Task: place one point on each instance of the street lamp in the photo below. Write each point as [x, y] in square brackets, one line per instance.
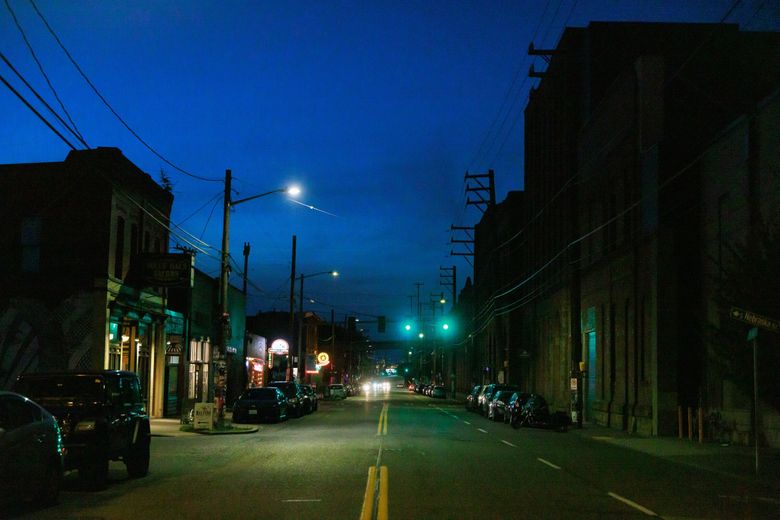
[224, 316]
[301, 363]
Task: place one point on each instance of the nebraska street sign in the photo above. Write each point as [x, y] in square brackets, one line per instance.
[755, 319]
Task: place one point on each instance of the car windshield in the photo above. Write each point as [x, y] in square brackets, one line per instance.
[75, 388]
[260, 394]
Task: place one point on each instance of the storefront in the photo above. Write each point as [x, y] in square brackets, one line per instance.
[255, 361]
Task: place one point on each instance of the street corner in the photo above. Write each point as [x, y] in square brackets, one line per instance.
[227, 429]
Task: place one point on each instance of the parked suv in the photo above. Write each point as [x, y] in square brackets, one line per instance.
[101, 415]
[296, 398]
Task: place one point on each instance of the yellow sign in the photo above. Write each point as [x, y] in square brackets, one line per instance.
[323, 359]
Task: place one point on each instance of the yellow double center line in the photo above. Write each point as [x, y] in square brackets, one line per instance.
[375, 497]
[370, 498]
[381, 428]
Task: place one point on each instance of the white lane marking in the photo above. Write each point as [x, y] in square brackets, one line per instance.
[508, 443]
[483, 431]
[632, 504]
[455, 417]
[548, 463]
[303, 500]
[467, 423]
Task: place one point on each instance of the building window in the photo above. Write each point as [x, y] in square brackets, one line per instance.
[119, 252]
[31, 244]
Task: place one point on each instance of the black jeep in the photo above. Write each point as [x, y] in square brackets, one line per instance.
[101, 415]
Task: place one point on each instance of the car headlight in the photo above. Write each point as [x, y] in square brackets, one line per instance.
[85, 426]
[293, 400]
[366, 388]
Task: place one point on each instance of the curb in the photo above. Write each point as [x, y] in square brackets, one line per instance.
[234, 430]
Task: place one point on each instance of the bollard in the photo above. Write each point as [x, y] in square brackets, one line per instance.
[679, 422]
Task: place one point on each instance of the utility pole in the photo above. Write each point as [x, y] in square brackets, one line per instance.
[447, 278]
[223, 320]
[301, 363]
[246, 265]
[291, 328]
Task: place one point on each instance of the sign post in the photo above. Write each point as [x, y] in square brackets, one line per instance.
[771, 324]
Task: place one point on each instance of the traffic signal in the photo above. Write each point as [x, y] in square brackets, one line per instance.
[381, 323]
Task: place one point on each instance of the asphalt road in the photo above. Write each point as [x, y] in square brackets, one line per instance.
[405, 456]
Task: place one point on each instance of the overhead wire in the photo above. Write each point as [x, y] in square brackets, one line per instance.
[111, 108]
[72, 128]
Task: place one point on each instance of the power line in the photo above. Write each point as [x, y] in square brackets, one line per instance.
[40, 98]
[40, 116]
[74, 128]
[111, 109]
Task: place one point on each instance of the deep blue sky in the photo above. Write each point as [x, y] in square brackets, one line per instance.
[376, 109]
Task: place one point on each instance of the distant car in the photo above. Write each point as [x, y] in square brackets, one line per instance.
[489, 392]
[102, 417]
[312, 403]
[513, 408]
[471, 399]
[31, 454]
[438, 392]
[535, 413]
[419, 388]
[497, 405]
[399, 385]
[257, 404]
[337, 392]
[411, 387]
[294, 394]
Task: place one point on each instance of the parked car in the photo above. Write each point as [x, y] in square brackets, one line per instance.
[438, 392]
[267, 403]
[101, 416]
[488, 393]
[294, 394]
[471, 399]
[536, 413]
[337, 392]
[31, 454]
[311, 401]
[513, 407]
[419, 388]
[497, 405]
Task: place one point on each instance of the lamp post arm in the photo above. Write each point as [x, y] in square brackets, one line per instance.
[253, 197]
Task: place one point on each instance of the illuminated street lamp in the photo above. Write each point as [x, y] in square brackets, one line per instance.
[224, 317]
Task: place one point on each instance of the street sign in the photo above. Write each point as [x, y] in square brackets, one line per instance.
[754, 319]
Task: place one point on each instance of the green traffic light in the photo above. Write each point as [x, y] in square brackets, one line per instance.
[408, 327]
[445, 326]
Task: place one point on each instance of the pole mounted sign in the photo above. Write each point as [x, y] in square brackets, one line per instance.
[754, 319]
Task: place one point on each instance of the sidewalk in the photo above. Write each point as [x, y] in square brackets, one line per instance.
[161, 427]
[732, 460]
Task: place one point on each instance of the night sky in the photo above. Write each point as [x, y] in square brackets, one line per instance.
[376, 109]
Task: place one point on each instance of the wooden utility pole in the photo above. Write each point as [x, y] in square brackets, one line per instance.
[246, 265]
[223, 319]
[291, 328]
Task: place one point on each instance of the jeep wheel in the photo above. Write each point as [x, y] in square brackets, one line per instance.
[94, 471]
[137, 459]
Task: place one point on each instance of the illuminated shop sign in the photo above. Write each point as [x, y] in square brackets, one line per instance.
[280, 346]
